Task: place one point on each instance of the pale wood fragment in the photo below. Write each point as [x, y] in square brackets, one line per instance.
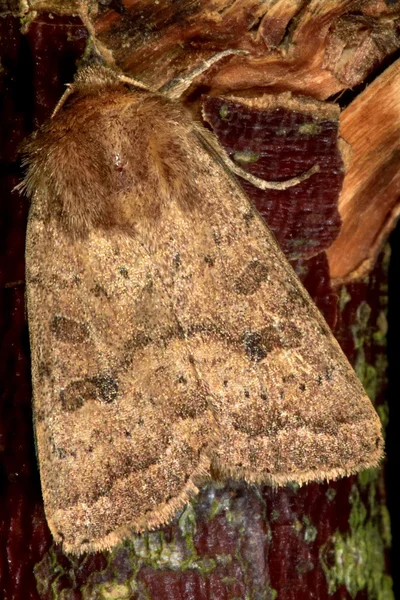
[368, 203]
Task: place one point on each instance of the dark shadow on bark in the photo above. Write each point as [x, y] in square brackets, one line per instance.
[392, 440]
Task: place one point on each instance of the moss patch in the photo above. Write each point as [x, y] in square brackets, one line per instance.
[357, 559]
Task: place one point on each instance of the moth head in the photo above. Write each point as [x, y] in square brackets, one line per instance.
[95, 78]
[108, 158]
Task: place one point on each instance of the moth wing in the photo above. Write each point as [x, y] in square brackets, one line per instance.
[287, 400]
[122, 423]
[176, 323]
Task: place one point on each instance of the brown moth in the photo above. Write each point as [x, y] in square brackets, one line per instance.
[170, 337]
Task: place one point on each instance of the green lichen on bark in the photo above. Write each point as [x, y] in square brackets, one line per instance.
[372, 376]
[356, 559]
[152, 550]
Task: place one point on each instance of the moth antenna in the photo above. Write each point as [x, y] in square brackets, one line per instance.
[176, 87]
[262, 184]
[219, 153]
[136, 83]
[70, 89]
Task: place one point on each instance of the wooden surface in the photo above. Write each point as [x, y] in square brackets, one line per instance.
[369, 201]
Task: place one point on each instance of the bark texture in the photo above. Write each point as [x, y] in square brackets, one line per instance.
[233, 541]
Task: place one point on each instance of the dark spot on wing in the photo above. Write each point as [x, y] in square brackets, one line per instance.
[124, 272]
[99, 291]
[209, 260]
[176, 260]
[103, 388]
[258, 344]
[289, 378]
[67, 330]
[39, 415]
[254, 345]
[107, 387]
[138, 341]
[251, 278]
[44, 371]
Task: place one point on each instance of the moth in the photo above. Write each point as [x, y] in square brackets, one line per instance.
[170, 338]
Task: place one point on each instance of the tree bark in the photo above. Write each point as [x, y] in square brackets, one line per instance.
[234, 540]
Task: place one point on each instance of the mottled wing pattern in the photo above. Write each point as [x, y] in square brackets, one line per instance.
[122, 422]
[169, 335]
[289, 404]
